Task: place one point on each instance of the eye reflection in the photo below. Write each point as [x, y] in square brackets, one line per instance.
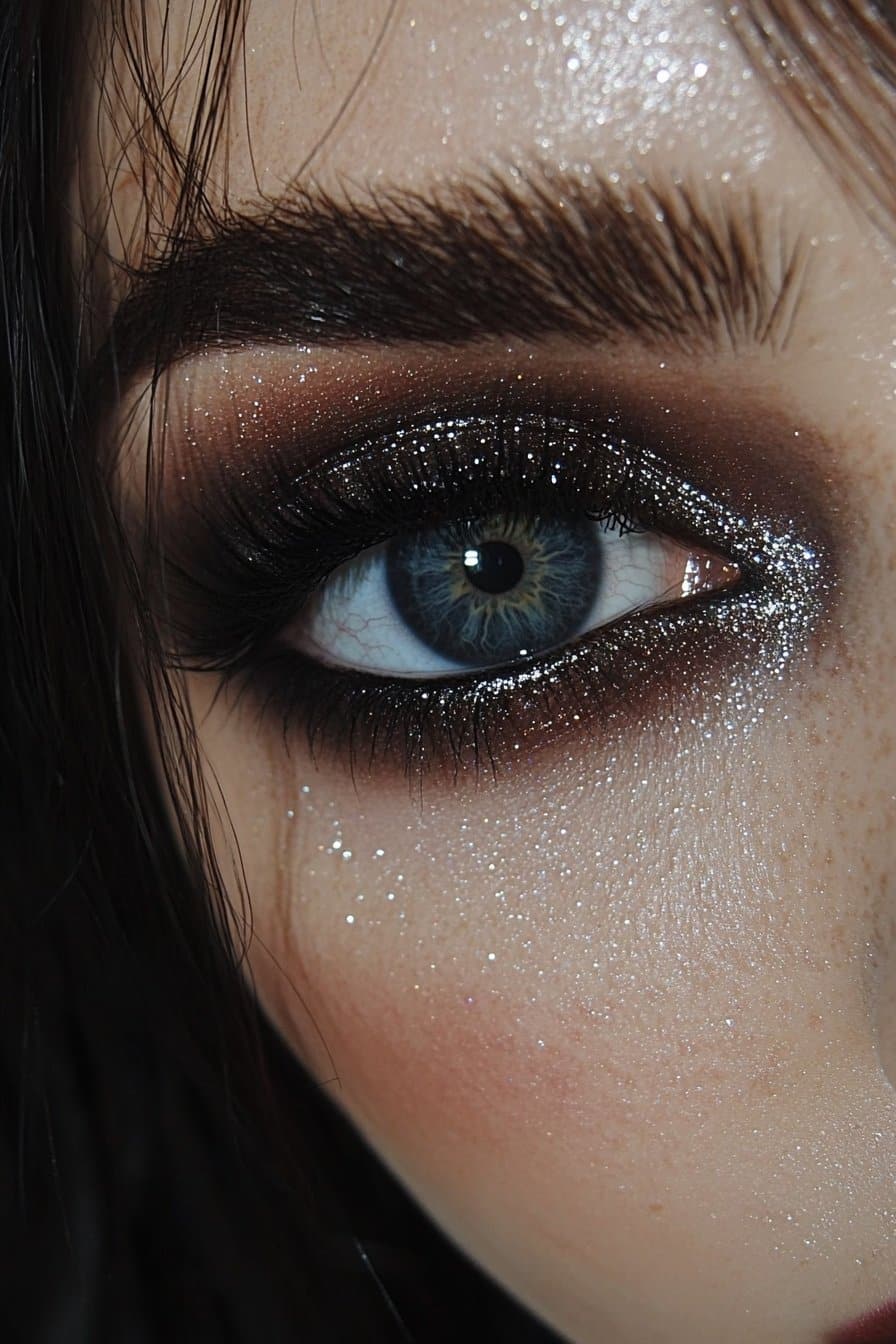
[477, 594]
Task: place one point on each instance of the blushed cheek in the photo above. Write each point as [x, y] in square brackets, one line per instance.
[613, 1012]
[521, 962]
[544, 1136]
[642, 910]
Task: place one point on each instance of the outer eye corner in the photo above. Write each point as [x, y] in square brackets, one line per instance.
[710, 572]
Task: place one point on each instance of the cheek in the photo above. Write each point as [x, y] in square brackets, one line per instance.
[648, 903]
[589, 1016]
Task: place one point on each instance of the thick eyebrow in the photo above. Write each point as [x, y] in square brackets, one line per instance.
[521, 257]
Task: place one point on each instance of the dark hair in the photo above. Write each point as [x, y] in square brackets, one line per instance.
[167, 1171]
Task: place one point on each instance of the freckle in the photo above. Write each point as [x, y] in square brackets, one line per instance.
[655, 1208]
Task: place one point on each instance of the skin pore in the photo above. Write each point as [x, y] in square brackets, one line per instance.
[619, 1010]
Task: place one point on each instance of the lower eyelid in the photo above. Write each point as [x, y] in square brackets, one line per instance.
[638, 672]
[641, 672]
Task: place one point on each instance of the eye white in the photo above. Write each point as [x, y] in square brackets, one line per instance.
[352, 621]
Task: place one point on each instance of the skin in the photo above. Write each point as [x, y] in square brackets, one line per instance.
[625, 1025]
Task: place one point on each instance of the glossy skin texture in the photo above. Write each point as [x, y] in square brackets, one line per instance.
[622, 1016]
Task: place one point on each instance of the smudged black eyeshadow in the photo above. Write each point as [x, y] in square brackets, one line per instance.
[253, 545]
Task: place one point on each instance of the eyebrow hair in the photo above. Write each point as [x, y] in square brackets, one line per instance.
[521, 257]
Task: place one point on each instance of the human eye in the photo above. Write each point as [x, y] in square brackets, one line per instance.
[450, 590]
[475, 594]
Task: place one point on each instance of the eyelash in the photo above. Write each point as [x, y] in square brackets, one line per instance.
[258, 543]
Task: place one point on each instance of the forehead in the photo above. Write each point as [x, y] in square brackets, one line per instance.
[353, 94]
[473, 80]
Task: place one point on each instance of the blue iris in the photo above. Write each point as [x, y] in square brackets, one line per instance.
[492, 591]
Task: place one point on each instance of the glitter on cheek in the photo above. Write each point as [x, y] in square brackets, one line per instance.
[535, 892]
[581, 959]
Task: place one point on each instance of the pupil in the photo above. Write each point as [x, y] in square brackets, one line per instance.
[493, 566]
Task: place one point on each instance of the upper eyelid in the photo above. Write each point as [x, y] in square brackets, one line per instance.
[714, 424]
[234, 519]
[735, 443]
[723, 420]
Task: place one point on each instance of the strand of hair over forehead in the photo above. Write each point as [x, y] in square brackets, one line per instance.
[832, 63]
